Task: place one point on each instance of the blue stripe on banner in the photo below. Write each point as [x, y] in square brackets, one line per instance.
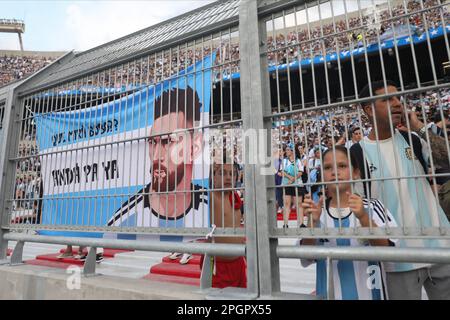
[70, 234]
[92, 211]
[376, 293]
[171, 238]
[179, 223]
[345, 268]
[126, 236]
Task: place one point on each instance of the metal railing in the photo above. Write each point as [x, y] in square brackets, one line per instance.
[169, 144]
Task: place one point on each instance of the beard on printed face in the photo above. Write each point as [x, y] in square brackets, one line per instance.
[163, 180]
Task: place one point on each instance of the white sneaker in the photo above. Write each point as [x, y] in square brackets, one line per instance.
[185, 258]
[174, 255]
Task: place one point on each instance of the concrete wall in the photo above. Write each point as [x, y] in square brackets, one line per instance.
[26, 282]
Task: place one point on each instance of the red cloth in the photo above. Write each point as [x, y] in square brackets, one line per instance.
[229, 273]
[237, 200]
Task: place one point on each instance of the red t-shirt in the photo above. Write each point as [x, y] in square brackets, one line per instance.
[237, 200]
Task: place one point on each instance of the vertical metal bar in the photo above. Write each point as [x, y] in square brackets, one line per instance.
[69, 201]
[311, 57]
[169, 98]
[116, 144]
[202, 131]
[330, 280]
[275, 47]
[132, 76]
[324, 53]
[97, 105]
[430, 50]
[352, 58]
[255, 90]
[90, 263]
[104, 86]
[17, 255]
[53, 158]
[146, 143]
[139, 138]
[8, 167]
[123, 109]
[338, 54]
[286, 52]
[299, 60]
[206, 274]
[90, 150]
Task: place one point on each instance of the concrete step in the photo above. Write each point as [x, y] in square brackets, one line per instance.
[176, 269]
[136, 264]
[173, 279]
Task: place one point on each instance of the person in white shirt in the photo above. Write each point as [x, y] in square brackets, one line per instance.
[356, 137]
[292, 170]
[390, 153]
[314, 148]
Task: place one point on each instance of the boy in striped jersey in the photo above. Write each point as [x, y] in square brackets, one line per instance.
[352, 280]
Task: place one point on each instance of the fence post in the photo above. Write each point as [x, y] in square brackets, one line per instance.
[8, 147]
[206, 274]
[263, 266]
[89, 264]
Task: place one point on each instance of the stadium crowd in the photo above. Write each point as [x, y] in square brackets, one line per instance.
[336, 39]
[13, 68]
[285, 45]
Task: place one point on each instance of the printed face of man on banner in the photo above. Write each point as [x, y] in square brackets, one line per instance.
[173, 145]
[172, 150]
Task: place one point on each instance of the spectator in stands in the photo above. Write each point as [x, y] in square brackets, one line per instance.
[292, 182]
[315, 173]
[315, 147]
[394, 155]
[300, 153]
[341, 206]
[81, 255]
[278, 180]
[356, 135]
[29, 192]
[68, 253]
[20, 192]
[225, 213]
[14, 68]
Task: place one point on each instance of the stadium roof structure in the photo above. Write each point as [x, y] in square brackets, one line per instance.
[211, 17]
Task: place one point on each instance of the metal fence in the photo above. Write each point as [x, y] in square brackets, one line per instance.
[169, 143]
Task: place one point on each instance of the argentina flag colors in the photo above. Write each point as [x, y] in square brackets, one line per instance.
[96, 160]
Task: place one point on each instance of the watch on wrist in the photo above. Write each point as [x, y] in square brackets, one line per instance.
[422, 131]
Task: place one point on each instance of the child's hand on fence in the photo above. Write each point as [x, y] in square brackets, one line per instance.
[356, 205]
[312, 208]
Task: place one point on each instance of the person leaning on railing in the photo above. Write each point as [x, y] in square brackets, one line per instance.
[391, 153]
[342, 207]
[225, 211]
